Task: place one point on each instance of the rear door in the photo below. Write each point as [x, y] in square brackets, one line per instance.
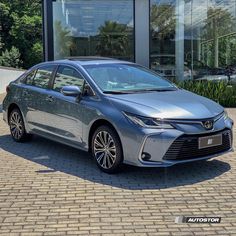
[37, 94]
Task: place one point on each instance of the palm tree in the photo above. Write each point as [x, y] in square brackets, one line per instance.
[162, 23]
[62, 41]
[162, 20]
[113, 39]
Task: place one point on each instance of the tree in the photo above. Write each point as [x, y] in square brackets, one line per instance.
[113, 39]
[5, 23]
[163, 23]
[218, 40]
[36, 53]
[11, 58]
[21, 26]
[62, 41]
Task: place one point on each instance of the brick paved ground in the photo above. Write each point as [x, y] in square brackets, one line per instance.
[50, 189]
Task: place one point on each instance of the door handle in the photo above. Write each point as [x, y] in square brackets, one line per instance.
[49, 98]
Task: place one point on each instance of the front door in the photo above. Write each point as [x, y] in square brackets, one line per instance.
[66, 112]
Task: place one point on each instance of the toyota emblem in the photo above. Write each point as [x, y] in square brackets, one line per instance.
[208, 124]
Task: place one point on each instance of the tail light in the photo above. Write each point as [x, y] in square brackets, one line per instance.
[8, 89]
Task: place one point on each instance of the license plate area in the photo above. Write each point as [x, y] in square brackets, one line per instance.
[210, 141]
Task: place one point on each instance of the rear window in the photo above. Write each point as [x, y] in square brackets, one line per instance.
[29, 78]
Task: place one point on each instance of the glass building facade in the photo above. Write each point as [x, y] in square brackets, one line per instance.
[88, 28]
[181, 39]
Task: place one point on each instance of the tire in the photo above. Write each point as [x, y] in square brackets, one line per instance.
[17, 126]
[107, 149]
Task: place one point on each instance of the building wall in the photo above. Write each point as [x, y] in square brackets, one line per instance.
[7, 75]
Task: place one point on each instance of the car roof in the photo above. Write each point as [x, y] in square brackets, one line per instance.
[82, 61]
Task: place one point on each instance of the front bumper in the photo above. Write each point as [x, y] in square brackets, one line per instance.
[168, 147]
[185, 149]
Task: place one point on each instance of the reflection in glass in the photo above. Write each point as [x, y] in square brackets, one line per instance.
[42, 76]
[126, 78]
[67, 76]
[204, 30]
[93, 28]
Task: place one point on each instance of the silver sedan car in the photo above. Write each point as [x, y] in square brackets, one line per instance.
[121, 112]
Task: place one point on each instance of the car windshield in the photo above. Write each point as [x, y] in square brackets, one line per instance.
[124, 78]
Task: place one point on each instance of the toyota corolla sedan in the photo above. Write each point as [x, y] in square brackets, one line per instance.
[121, 112]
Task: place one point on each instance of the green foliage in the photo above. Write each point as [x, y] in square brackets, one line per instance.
[11, 58]
[162, 19]
[217, 38]
[21, 26]
[220, 92]
[35, 54]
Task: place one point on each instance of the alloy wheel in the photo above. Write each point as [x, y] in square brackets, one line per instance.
[105, 149]
[16, 125]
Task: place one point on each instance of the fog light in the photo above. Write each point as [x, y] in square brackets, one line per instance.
[146, 156]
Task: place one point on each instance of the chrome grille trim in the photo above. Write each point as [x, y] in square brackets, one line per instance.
[186, 146]
[199, 121]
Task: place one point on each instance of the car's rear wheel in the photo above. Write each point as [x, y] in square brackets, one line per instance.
[107, 149]
[17, 126]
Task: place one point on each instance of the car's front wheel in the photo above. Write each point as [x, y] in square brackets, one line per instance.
[107, 149]
[17, 126]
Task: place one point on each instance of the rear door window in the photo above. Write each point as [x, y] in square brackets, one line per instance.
[30, 78]
[43, 76]
[67, 76]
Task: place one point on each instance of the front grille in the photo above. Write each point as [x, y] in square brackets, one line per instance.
[186, 146]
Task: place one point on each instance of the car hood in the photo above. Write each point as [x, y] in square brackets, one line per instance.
[179, 104]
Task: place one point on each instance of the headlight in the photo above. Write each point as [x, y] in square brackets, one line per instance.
[146, 122]
[226, 115]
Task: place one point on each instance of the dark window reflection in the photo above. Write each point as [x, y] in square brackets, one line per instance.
[96, 27]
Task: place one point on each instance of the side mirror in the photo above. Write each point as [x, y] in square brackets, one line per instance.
[71, 91]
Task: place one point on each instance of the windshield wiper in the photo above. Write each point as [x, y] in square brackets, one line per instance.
[140, 91]
[117, 92]
[159, 90]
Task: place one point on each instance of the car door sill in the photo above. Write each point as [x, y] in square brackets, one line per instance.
[60, 140]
